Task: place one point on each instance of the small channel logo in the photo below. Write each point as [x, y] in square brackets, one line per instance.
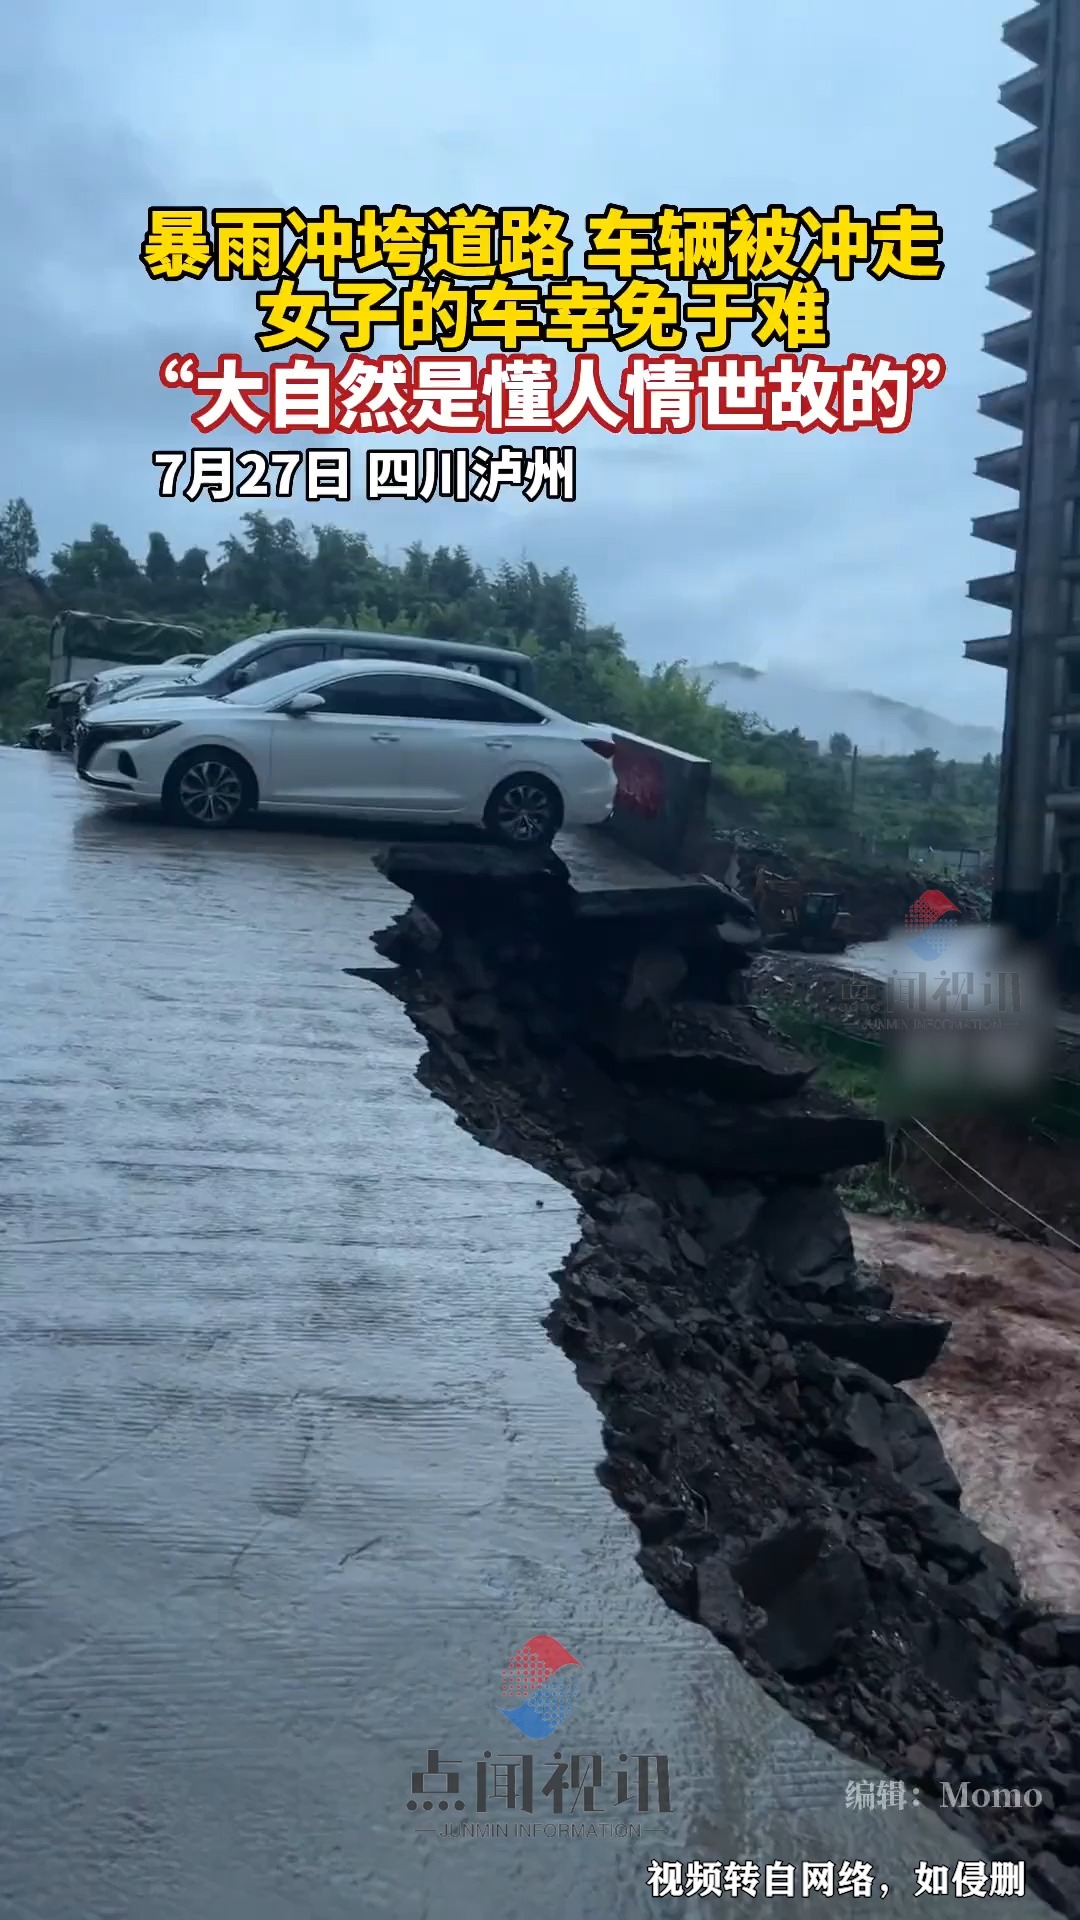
[929, 928]
[542, 1680]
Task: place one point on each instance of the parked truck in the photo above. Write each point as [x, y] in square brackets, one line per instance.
[82, 645]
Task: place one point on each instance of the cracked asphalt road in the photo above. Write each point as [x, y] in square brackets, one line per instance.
[288, 1468]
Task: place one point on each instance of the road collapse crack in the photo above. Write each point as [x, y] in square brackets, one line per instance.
[355, 1552]
[787, 1493]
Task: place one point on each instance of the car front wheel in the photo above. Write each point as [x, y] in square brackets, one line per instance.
[209, 787]
[525, 811]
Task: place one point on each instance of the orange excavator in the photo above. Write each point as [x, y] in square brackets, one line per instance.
[795, 920]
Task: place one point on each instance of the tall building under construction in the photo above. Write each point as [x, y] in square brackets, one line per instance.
[1037, 869]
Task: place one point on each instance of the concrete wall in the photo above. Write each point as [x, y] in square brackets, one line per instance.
[660, 808]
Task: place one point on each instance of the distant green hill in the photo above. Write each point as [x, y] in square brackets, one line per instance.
[873, 721]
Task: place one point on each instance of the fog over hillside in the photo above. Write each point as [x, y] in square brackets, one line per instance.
[784, 699]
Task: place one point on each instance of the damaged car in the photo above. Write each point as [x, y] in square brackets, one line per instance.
[113, 681]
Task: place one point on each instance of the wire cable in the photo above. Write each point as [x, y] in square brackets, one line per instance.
[1048, 1253]
[994, 1188]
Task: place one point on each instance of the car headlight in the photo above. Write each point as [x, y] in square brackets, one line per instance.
[130, 731]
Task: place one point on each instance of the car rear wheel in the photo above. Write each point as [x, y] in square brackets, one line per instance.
[525, 811]
[209, 788]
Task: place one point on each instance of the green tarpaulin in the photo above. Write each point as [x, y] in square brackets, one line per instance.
[97, 636]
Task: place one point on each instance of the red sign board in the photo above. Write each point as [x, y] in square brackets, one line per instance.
[641, 779]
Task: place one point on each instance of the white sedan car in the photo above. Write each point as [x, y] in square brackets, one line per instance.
[367, 739]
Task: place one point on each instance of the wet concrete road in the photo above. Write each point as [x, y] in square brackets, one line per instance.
[288, 1468]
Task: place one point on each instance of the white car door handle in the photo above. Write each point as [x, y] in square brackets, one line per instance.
[386, 739]
[499, 746]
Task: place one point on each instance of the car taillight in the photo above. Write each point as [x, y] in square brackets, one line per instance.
[605, 748]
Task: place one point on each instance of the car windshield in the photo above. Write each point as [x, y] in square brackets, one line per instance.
[112, 683]
[110, 695]
[221, 662]
[267, 692]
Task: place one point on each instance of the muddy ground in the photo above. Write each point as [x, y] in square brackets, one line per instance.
[1005, 1393]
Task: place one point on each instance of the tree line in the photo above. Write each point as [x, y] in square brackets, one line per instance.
[272, 574]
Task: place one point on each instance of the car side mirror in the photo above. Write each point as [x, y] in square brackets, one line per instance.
[242, 677]
[302, 703]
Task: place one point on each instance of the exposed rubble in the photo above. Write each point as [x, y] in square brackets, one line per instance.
[788, 1493]
[873, 896]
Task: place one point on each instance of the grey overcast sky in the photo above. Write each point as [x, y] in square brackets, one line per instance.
[847, 556]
